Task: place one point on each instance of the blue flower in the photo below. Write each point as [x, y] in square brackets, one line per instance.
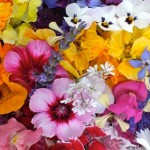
[144, 64]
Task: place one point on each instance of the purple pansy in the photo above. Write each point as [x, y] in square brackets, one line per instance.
[144, 64]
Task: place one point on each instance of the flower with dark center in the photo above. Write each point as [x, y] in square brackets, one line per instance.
[55, 117]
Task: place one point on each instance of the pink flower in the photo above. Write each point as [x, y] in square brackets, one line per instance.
[14, 135]
[24, 63]
[127, 95]
[54, 117]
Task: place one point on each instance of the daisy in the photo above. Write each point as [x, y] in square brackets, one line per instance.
[76, 15]
[143, 138]
[54, 117]
[133, 13]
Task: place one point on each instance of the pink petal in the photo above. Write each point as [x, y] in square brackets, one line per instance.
[61, 85]
[138, 116]
[8, 130]
[73, 129]
[39, 50]
[137, 87]
[61, 72]
[44, 121]
[41, 100]
[12, 62]
[26, 138]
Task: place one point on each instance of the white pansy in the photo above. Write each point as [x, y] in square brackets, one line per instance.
[105, 16]
[132, 13]
[76, 15]
[143, 138]
[107, 69]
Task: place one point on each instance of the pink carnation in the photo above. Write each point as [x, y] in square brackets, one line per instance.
[127, 95]
[54, 117]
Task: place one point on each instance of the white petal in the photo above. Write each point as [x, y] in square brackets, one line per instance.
[88, 20]
[125, 25]
[73, 9]
[124, 8]
[83, 10]
[68, 20]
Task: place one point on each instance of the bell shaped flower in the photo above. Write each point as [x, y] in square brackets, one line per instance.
[127, 95]
[105, 16]
[14, 135]
[76, 15]
[133, 13]
[144, 64]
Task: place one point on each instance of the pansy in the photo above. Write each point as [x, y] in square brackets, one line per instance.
[144, 64]
[24, 70]
[12, 95]
[76, 15]
[133, 13]
[105, 16]
[127, 94]
[54, 117]
[14, 136]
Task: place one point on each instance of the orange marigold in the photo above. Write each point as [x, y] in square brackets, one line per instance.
[5, 13]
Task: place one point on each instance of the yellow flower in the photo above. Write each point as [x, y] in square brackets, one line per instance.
[5, 13]
[12, 95]
[87, 46]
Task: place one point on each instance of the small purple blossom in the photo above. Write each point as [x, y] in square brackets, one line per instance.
[144, 64]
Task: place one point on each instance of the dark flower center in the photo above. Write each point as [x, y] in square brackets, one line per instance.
[130, 18]
[105, 23]
[61, 112]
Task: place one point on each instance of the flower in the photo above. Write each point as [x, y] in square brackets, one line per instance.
[54, 117]
[76, 15]
[12, 95]
[14, 135]
[105, 16]
[7, 8]
[74, 144]
[127, 94]
[24, 70]
[133, 13]
[144, 64]
[143, 138]
[91, 138]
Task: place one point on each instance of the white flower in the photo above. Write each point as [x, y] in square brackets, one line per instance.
[133, 13]
[83, 106]
[143, 138]
[105, 16]
[107, 69]
[76, 15]
[92, 70]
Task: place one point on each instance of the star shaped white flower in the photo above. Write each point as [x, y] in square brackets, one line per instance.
[76, 15]
[133, 13]
[105, 16]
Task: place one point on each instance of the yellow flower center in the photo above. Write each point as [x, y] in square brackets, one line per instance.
[74, 20]
[105, 24]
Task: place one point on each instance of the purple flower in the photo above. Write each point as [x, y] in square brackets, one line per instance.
[144, 64]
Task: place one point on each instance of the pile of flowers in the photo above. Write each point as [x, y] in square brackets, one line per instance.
[74, 75]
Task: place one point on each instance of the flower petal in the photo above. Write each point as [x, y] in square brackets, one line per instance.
[145, 55]
[142, 73]
[136, 63]
[41, 100]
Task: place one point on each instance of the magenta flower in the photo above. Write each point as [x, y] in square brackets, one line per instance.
[14, 135]
[26, 62]
[54, 117]
[127, 95]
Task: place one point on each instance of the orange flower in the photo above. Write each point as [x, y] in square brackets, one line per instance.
[3, 51]
[5, 13]
[12, 95]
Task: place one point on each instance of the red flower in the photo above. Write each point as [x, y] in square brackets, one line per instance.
[25, 62]
[90, 137]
